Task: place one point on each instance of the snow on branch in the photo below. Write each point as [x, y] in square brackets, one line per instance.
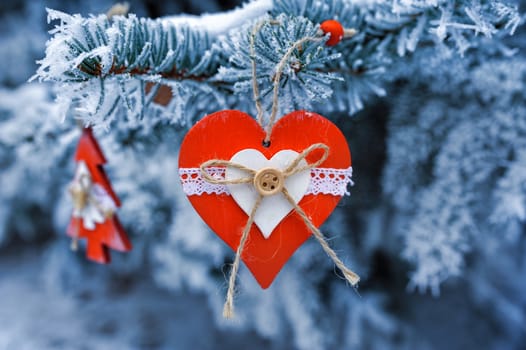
[221, 23]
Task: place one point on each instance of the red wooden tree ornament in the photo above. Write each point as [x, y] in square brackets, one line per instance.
[95, 203]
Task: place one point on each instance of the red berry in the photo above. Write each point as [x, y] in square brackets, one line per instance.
[335, 28]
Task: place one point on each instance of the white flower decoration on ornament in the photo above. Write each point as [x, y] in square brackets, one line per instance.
[91, 201]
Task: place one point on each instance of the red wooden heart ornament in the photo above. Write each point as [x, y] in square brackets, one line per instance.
[223, 134]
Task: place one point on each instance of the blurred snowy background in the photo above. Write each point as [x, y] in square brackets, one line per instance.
[435, 223]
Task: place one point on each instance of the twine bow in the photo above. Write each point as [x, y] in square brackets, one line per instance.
[257, 178]
[82, 195]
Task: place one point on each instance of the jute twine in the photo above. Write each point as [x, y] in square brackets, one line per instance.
[292, 169]
[348, 33]
[81, 194]
[278, 175]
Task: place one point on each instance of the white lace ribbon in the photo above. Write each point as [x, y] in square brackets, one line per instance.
[323, 181]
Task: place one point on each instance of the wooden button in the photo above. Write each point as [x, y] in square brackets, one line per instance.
[269, 181]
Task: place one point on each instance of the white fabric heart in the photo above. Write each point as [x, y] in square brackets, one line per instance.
[272, 209]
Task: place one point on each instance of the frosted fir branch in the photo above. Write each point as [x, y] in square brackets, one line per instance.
[128, 53]
[462, 160]
[87, 48]
[399, 26]
[390, 30]
[303, 79]
[100, 72]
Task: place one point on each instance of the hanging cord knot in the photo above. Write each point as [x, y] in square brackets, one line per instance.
[118, 9]
[269, 182]
[79, 191]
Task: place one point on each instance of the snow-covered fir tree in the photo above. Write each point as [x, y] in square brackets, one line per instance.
[430, 95]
